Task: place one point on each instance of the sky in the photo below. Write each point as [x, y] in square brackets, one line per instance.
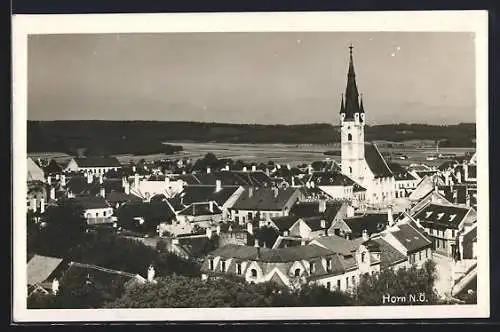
[253, 77]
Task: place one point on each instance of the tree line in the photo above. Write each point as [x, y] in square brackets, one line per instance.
[146, 137]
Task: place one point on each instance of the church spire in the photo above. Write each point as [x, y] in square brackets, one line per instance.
[351, 92]
[342, 110]
[361, 108]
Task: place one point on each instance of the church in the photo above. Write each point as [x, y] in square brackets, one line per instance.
[360, 160]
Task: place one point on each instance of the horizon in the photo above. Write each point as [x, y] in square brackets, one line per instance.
[254, 77]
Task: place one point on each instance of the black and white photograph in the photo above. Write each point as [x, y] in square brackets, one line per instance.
[250, 166]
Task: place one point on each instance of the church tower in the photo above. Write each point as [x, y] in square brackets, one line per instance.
[352, 121]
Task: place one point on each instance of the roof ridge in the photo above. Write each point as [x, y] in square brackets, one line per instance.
[383, 159]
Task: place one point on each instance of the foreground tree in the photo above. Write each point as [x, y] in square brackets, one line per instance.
[375, 289]
[183, 292]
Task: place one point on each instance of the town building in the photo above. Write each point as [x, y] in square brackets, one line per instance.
[93, 165]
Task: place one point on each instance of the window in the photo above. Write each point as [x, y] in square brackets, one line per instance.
[104, 213]
[419, 255]
[353, 279]
[297, 272]
[311, 267]
[328, 285]
[362, 257]
[223, 266]
[211, 263]
[349, 137]
[249, 215]
[347, 282]
[426, 253]
[350, 170]
[338, 284]
[328, 264]
[254, 273]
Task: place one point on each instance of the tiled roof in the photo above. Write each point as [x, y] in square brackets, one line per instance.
[410, 238]
[188, 178]
[97, 162]
[422, 174]
[263, 199]
[200, 209]
[198, 246]
[91, 202]
[337, 244]
[455, 193]
[443, 215]
[330, 179]
[373, 223]
[41, 267]
[389, 255]
[376, 162]
[314, 223]
[118, 197]
[311, 209]
[400, 173]
[205, 193]
[233, 178]
[284, 223]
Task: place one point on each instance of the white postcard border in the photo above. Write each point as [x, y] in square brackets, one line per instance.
[464, 21]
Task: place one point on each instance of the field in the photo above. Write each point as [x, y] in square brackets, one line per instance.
[293, 154]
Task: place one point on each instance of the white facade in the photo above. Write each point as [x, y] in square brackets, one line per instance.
[352, 138]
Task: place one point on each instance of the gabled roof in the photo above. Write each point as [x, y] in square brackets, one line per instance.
[34, 172]
[337, 244]
[311, 209]
[97, 162]
[372, 222]
[91, 202]
[330, 179]
[376, 162]
[205, 193]
[200, 209]
[41, 267]
[119, 197]
[411, 238]
[400, 173]
[442, 215]
[264, 199]
[314, 223]
[389, 255]
[284, 223]
[233, 178]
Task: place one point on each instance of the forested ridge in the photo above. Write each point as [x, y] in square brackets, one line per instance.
[145, 137]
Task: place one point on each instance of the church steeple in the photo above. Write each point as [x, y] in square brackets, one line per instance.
[351, 92]
[342, 103]
[361, 108]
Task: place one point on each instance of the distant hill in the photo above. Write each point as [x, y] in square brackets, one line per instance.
[142, 137]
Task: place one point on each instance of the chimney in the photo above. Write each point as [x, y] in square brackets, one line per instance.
[313, 184]
[55, 286]
[244, 168]
[267, 171]
[57, 176]
[49, 180]
[42, 206]
[250, 191]
[34, 204]
[101, 180]
[208, 170]
[151, 273]
[366, 237]
[276, 192]
[209, 232]
[256, 243]
[124, 181]
[175, 241]
[90, 178]
[218, 185]
[390, 218]
[349, 211]
[250, 228]
[167, 180]
[134, 169]
[288, 166]
[127, 188]
[103, 192]
[218, 230]
[303, 242]
[293, 181]
[63, 180]
[467, 198]
[321, 206]
[52, 193]
[211, 206]
[264, 244]
[227, 167]
[254, 168]
[323, 223]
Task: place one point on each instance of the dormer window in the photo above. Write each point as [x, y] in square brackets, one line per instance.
[254, 273]
[223, 266]
[297, 272]
[452, 217]
[329, 264]
[428, 214]
[349, 137]
[440, 215]
[311, 267]
[238, 268]
[211, 264]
